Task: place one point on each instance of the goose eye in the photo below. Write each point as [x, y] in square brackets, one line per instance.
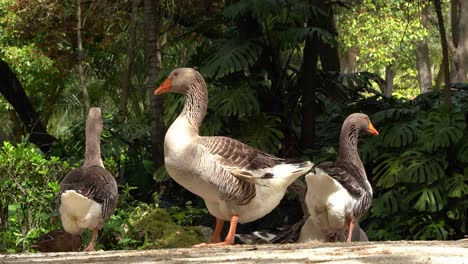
[175, 73]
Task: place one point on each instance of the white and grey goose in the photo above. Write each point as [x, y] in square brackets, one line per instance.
[88, 194]
[237, 182]
[338, 193]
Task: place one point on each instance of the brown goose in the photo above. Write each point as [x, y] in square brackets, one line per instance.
[338, 192]
[57, 241]
[237, 182]
[88, 195]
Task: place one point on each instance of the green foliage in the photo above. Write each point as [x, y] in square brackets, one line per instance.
[28, 187]
[157, 229]
[231, 56]
[392, 30]
[417, 165]
[422, 189]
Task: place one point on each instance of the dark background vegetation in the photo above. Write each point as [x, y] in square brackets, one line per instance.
[282, 75]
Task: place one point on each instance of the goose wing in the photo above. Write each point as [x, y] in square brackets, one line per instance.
[240, 159]
[347, 174]
[234, 167]
[94, 183]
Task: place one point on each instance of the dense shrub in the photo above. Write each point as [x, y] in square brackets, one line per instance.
[28, 191]
[420, 170]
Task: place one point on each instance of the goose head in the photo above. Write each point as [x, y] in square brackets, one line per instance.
[94, 119]
[361, 124]
[179, 81]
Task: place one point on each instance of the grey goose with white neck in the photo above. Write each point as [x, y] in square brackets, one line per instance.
[338, 193]
[88, 195]
[237, 182]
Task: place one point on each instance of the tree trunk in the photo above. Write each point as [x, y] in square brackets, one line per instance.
[307, 84]
[4, 225]
[84, 90]
[387, 87]
[422, 58]
[423, 66]
[349, 61]
[443, 40]
[129, 61]
[14, 93]
[153, 62]
[459, 13]
[314, 49]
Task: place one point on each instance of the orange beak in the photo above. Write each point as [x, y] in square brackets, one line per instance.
[164, 88]
[371, 129]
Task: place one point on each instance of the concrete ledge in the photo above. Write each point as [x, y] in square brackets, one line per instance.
[356, 252]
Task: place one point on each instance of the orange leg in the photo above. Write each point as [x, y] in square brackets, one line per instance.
[350, 230]
[216, 237]
[232, 232]
[230, 236]
[90, 247]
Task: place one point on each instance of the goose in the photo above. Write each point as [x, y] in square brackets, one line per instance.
[238, 183]
[57, 241]
[88, 194]
[338, 193]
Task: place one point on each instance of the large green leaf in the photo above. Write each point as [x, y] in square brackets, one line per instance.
[462, 152]
[400, 134]
[386, 203]
[368, 149]
[427, 227]
[457, 186]
[421, 168]
[428, 199]
[262, 133]
[441, 130]
[231, 56]
[388, 170]
[238, 101]
[392, 114]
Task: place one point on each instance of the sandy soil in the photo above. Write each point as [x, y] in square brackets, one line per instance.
[357, 252]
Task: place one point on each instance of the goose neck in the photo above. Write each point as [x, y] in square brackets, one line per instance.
[93, 148]
[196, 103]
[348, 150]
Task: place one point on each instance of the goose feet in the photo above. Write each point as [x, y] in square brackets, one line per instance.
[350, 230]
[90, 247]
[216, 237]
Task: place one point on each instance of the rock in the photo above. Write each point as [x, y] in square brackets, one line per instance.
[158, 230]
[357, 252]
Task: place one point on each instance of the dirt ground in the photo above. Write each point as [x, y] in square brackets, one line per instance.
[356, 252]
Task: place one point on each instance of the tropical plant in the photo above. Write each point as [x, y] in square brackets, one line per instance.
[29, 188]
[422, 190]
